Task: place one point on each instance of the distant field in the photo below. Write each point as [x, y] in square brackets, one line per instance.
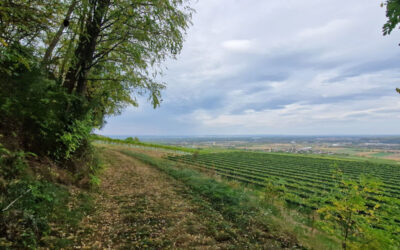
[374, 155]
[307, 180]
[382, 154]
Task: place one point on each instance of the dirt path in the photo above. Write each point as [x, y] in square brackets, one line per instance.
[137, 206]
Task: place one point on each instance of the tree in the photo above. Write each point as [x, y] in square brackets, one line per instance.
[89, 59]
[393, 18]
[392, 14]
[351, 212]
[57, 36]
[22, 24]
[130, 139]
[121, 43]
[64, 66]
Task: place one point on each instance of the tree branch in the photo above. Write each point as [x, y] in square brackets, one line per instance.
[57, 36]
[99, 56]
[12, 203]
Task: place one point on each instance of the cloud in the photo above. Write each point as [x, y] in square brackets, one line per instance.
[237, 45]
[286, 67]
[301, 116]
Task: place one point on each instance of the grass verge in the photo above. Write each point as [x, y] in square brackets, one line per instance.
[105, 139]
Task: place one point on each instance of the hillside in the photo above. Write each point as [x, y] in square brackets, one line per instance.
[154, 197]
[145, 200]
[139, 205]
[274, 133]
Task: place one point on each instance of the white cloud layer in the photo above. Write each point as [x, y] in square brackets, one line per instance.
[278, 67]
[237, 45]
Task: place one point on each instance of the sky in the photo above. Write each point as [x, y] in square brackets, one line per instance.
[277, 67]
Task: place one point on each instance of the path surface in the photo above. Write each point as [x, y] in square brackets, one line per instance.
[137, 206]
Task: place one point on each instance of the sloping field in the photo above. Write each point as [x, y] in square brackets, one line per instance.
[146, 202]
[306, 180]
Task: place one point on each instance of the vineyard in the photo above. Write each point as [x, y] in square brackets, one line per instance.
[306, 181]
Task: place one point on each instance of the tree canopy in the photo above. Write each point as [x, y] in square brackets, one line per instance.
[85, 59]
[393, 18]
[392, 14]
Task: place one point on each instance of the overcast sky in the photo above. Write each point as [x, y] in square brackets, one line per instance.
[277, 67]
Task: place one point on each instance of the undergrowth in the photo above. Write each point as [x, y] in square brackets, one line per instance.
[36, 211]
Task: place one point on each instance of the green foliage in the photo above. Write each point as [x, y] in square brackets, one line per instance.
[22, 25]
[27, 224]
[28, 206]
[130, 139]
[350, 212]
[35, 112]
[72, 137]
[393, 16]
[12, 163]
[274, 189]
[97, 68]
[65, 66]
[12, 57]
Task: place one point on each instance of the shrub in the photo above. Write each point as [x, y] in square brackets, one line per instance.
[29, 206]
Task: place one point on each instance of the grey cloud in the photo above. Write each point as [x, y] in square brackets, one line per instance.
[278, 67]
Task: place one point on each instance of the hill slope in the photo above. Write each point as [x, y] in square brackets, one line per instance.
[140, 206]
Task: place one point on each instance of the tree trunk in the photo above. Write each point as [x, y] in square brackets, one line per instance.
[76, 77]
[56, 38]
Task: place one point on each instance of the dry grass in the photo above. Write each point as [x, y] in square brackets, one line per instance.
[138, 206]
